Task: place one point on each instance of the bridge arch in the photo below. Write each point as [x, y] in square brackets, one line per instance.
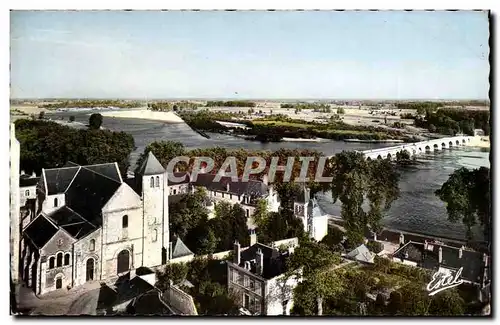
[463, 140]
[427, 148]
[436, 146]
[443, 145]
[450, 144]
[457, 142]
[389, 156]
[379, 157]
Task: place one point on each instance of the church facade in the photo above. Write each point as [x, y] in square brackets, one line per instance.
[91, 225]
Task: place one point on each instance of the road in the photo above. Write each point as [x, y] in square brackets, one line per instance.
[85, 304]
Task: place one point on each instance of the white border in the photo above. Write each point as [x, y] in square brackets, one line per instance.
[198, 4]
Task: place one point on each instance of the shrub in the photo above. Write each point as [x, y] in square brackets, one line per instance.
[375, 246]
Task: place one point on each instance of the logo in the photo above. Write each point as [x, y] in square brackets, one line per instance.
[444, 280]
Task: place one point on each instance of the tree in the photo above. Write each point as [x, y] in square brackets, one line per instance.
[72, 118]
[354, 178]
[95, 121]
[41, 115]
[175, 272]
[467, 197]
[340, 110]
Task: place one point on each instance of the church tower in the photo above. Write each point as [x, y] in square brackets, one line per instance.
[153, 178]
[15, 224]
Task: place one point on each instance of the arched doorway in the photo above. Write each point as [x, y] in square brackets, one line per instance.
[59, 283]
[90, 270]
[123, 261]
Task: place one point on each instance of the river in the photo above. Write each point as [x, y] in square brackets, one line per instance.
[416, 210]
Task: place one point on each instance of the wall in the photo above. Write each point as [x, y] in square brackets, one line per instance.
[82, 253]
[61, 242]
[15, 234]
[30, 190]
[48, 204]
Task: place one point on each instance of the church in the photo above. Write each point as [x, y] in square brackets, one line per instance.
[85, 223]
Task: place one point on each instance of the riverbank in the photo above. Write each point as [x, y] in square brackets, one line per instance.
[146, 114]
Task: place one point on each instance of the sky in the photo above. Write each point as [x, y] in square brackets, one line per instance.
[252, 54]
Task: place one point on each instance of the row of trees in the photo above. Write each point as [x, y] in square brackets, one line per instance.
[90, 103]
[230, 103]
[166, 106]
[46, 144]
[452, 121]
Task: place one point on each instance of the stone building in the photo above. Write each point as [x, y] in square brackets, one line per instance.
[315, 220]
[256, 277]
[91, 225]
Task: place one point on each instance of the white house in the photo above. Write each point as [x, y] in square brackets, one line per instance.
[257, 278]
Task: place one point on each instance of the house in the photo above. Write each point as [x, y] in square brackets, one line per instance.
[91, 225]
[439, 257]
[257, 278]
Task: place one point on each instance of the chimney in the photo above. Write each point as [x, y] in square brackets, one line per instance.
[237, 253]
[253, 237]
[460, 251]
[33, 175]
[401, 239]
[265, 180]
[259, 260]
[227, 187]
[485, 260]
[426, 245]
[440, 255]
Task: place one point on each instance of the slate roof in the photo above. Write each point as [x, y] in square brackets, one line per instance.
[88, 194]
[109, 170]
[57, 180]
[72, 222]
[179, 174]
[362, 254]
[28, 181]
[179, 249]
[252, 188]
[274, 261]
[151, 166]
[40, 231]
[471, 262]
[150, 303]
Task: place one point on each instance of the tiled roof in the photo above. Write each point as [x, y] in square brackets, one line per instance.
[150, 303]
[40, 231]
[151, 166]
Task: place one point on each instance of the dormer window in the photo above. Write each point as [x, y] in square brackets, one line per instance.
[27, 193]
[56, 202]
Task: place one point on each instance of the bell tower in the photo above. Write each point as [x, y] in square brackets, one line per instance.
[154, 187]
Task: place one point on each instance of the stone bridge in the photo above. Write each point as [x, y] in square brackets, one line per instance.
[419, 147]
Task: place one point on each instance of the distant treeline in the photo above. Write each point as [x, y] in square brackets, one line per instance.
[451, 121]
[172, 106]
[230, 103]
[91, 103]
[46, 144]
[316, 107]
[423, 107]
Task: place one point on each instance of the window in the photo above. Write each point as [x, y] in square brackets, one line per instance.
[155, 235]
[230, 196]
[27, 193]
[235, 276]
[125, 221]
[59, 259]
[66, 259]
[246, 301]
[248, 213]
[56, 202]
[239, 197]
[246, 280]
[92, 245]
[222, 194]
[152, 182]
[51, 262]
[157, 181]
[175, 191]
[252, 284]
